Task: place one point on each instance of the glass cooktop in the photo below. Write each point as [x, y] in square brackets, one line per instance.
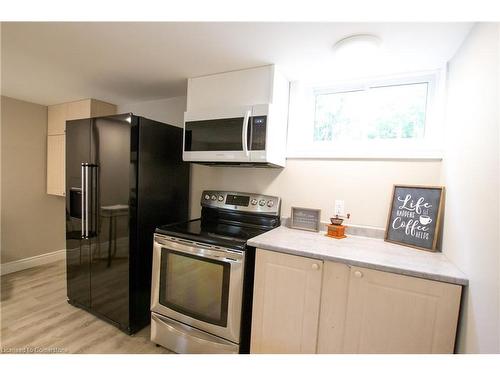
[221, 234]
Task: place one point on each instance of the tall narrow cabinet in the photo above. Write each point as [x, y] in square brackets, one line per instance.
[57, 115]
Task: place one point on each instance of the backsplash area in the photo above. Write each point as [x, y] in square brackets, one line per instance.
[364, 185]
[353, 230]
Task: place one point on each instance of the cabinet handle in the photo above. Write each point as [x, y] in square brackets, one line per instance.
[358, 274]
[315, 266]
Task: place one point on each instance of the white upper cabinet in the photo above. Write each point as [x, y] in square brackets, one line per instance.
[232, 89]
[56, 119]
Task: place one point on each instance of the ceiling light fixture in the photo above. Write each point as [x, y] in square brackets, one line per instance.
[357, 46]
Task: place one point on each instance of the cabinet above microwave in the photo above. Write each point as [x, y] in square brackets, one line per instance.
[233, 134]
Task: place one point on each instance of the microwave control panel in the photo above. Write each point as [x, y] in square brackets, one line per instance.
[257, 138]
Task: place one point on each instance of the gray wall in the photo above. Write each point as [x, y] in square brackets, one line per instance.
[32, 222]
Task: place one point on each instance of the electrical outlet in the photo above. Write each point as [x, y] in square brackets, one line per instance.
[339, 207]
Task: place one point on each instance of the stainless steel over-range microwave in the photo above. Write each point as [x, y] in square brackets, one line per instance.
[247, 135]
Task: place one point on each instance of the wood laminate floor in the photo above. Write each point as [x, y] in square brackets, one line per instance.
[36, 318]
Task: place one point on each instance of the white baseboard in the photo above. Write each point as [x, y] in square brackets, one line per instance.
[38, 260]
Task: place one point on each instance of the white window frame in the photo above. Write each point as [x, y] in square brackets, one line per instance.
[302, 117]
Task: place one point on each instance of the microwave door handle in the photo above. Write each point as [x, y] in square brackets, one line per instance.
[244, 134]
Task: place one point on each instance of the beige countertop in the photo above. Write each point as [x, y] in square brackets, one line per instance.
[363, 252]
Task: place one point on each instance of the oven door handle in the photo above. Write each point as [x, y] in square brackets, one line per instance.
[226, 257]
[230, 260]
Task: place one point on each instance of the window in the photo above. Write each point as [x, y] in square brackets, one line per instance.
[385, 112]
[383, 118]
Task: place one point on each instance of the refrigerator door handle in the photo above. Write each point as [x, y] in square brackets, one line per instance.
[95, 199]
[82, 211]
[86, 201]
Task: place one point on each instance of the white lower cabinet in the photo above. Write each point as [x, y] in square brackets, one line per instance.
[389, 313]
[287, 292]
[303, 305]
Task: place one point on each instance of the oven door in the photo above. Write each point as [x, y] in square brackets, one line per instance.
[198, 285]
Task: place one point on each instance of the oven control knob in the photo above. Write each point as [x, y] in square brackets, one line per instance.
[214, 197]
[254, 201]
[221, 198]
[262, 202]
[207, 197]
[270, 203]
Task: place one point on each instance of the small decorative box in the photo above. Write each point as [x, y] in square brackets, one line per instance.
[336, 231]
[305, 219]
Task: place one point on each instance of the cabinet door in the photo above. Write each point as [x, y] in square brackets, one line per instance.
[56, 164]
[56, 119]
[389, 313]
[286, 301]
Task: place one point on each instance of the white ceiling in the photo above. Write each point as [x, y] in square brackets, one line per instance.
[49, 63]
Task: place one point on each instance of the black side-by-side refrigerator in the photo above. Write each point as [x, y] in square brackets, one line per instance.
[124, 177]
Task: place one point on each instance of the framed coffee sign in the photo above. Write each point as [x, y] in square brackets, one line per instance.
[415, 215]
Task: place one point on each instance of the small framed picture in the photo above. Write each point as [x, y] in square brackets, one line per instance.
[305, 219]
[415, 216]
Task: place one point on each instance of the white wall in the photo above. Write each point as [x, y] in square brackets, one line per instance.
[498, 114]
[365, 186]
[471, 176]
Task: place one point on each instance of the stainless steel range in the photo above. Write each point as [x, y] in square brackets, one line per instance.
[201, 298]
